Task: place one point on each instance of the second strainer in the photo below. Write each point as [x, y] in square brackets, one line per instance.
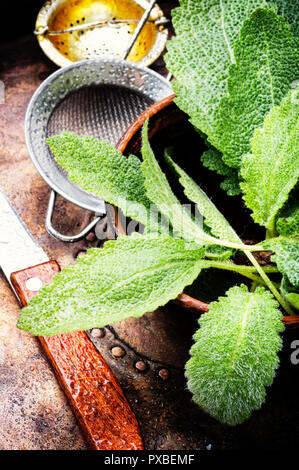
[73, 30]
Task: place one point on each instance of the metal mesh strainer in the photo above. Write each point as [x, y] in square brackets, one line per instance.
[70, 31]
[105, 112]
[100, 98]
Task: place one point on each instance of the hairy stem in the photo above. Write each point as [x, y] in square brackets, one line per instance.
[271, 231]
[246, 271]
[240, 268]
[247, 249]
[253, 286]
[269, 283]
[236, 246]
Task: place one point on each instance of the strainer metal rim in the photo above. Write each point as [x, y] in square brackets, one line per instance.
[88, 200]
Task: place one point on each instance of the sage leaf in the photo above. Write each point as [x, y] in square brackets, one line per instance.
[289, 9]
[234, 356]
[286, 256]
[200, 54]
[287, 223]
[212, 159]
[98, 167]
[290, 293]
[160, 193]
[219, 226]
[267, 63]
[216, 252]
[271, 171]
[128, 277]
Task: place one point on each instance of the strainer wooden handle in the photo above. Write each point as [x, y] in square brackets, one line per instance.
[91, 387]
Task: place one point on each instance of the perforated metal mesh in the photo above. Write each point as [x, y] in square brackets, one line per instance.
[100, 98]
[105, 41]
[104, 112]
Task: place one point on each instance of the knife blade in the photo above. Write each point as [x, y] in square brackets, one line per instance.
[89, 384]
[18, 250]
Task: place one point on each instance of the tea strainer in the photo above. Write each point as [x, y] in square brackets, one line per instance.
[96, 97]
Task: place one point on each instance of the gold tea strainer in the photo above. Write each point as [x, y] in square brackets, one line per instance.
[73, 30]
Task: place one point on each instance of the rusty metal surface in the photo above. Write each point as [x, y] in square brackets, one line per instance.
[34, 413]
[147, 355]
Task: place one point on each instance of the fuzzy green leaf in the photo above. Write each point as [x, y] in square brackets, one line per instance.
[212, 217]
[289, 9]
[216, 252]
[231, 185]
[293, 299]
[286, 256]
[287, 223]
[212, 159]
[290, 293]
[160, 193]
[212, 251]
[200, 54]
[235, 354]
[128, 277]
[272, 170]
[101, 169]
[267, 63]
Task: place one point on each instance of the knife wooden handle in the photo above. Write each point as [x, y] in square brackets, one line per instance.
[91, 387]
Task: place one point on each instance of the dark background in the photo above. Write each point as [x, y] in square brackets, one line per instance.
[18, 18]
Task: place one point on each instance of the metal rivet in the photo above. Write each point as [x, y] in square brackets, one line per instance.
[97, 333]
[117, 351]
[34, 284]
[164, 374]
[141, 366]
